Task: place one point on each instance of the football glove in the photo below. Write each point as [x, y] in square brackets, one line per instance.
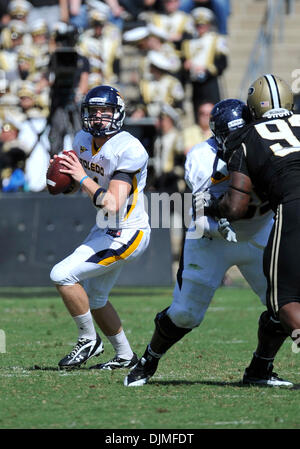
[226, 230]
[200, 200]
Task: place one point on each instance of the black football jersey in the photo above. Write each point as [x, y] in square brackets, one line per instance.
[268, 151]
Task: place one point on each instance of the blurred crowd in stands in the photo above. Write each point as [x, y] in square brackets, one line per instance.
[158, 53]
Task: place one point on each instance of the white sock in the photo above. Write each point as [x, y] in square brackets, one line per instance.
[121, 345]
[85, 324]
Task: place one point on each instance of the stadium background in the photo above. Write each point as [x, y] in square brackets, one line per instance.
[262, 37]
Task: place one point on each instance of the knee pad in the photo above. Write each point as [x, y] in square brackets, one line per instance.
[183, 318]
[59, 276]
[269, 326]
[55, 275]
[167, 329]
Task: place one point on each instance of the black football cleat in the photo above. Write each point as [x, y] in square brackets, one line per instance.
[117, 363]
[141, 372]
[271, 379]
[81, 353]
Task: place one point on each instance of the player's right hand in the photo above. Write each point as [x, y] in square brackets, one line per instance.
[226, 230]
[199, 201]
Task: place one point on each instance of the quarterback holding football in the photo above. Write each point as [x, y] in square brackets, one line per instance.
[110, 165]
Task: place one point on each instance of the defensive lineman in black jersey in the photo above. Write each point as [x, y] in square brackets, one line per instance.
[269, 153]
[265, 156]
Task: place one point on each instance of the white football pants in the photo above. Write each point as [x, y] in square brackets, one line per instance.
[98, 261]
[205, 263]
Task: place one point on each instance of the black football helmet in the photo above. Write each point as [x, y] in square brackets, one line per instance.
[102, 96]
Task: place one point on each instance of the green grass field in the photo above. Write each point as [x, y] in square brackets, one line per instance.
[197, 385]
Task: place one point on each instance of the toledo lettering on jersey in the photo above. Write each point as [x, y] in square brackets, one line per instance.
[92, 166]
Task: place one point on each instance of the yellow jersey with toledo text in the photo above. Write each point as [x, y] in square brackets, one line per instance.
[121, 153]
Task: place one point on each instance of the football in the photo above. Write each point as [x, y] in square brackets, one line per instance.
[58, 182]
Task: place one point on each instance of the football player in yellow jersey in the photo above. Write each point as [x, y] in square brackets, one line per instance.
[111, 168]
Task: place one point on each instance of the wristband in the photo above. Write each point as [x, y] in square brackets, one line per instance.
[81, 181]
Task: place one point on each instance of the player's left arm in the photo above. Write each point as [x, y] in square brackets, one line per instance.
[112, 200]
[129, 162]
[234, 204]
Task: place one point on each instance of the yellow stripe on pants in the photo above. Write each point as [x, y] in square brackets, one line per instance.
[125, 254]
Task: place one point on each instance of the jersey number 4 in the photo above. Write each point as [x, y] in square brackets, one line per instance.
[283, 132]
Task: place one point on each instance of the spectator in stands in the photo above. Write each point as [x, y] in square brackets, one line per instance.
[4, 85]
[10, 72]
[40, 43]
[200, 131]
[25, 68]
[168, 152]
[9, 133]
[138, 37]
[34, 132]
[19, 10]
[27, 134]
[74, 12]
[102, 40]
[12, 36]
[221, 9]
[205, 59]
[162, 87]
[158, 41]
[9, 102]
[129, 9]
[48, 10]
[177, 24]
[12, 157]
[12, 178]
[27, 96]
[148, 38]
[4, 16]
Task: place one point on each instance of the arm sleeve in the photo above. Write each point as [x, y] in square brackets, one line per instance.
[123, 176]
[237, 162]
